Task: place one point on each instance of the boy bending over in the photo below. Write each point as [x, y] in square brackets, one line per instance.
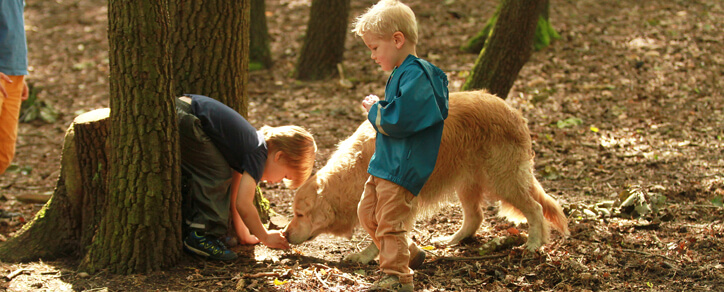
[226, 158]
[409, 124]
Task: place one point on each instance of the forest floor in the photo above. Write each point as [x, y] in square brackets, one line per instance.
[626, 105]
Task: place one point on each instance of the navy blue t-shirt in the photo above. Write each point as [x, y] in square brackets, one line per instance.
[243, 147]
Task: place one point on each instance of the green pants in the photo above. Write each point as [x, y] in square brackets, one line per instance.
[207, 206]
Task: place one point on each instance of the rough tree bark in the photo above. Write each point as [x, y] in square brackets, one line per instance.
[323, 46]
[91, 135]
[509, 47]
[140, 228]
[210, 48]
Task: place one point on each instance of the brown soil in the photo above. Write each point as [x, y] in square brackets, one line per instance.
[628, 103]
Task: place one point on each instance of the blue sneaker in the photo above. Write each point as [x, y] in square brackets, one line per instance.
[208, 247]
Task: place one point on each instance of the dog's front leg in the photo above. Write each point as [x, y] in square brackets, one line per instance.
[365, 256]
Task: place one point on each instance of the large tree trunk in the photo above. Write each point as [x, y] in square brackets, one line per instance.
[210, 43]
[508, 49]
[134, 225]
[141, 226]
[259, 53]
[323, 46]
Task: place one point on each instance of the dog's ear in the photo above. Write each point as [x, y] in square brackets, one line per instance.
[323, 213]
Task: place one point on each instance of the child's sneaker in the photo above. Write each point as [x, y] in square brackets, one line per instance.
[208, 247]
[391, 283]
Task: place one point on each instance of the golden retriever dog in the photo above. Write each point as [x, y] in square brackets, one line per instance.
[485, 156]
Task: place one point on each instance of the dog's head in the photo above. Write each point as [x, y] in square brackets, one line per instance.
[327, 201]
[313, 214]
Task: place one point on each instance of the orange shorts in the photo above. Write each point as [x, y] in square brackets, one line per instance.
[9, 114]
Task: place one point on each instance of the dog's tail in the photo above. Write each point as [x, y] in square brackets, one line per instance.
[552, 211]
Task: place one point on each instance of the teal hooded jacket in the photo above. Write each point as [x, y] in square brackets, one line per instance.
[409, 124]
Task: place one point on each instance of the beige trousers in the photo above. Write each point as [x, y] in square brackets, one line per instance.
[383, 211]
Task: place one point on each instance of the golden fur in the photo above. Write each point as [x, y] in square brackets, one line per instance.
[485, 156]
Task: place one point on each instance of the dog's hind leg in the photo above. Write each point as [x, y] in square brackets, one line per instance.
[471, 200]
[519, 198]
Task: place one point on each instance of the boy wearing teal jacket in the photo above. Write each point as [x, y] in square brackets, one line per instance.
[409, 124]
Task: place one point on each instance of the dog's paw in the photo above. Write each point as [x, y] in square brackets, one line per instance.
[533, 244]
[358, 258]
[440, 241]
[445, 241]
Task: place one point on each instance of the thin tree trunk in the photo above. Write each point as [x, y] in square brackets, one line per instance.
[508, 48]
[323, 46]
[544, 33]
[475, 44]
[259, 53]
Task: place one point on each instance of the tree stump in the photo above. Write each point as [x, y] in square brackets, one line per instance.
[65, 225]
[91, 135]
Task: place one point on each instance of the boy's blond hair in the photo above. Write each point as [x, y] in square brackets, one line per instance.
[387, 17]
[298, 150]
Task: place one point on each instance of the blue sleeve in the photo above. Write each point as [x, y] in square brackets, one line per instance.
[414, 109]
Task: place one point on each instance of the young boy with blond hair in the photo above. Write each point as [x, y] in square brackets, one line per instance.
[225, 157]
[409, 123]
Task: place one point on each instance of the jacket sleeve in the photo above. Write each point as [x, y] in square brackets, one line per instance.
[414, 109]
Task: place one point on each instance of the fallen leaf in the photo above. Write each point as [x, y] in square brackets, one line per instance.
[279, 283]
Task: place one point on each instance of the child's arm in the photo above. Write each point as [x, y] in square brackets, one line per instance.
[414, 109]
[242, 232]
[250, 216]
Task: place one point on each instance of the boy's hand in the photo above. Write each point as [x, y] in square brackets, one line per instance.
[275, 239]
[26, 92]
[369, 101]
[7, 79]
